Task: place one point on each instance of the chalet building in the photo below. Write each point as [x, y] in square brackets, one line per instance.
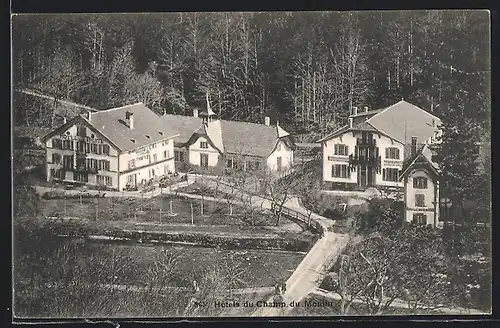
[116, 147]
[207, 142]
[420, 178]
[371, 149]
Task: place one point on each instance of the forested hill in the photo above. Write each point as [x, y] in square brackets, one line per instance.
[309, 68]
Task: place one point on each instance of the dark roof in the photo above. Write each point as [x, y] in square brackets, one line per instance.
[184, 126]
[148, 127]
[243, 138]
[402, 121]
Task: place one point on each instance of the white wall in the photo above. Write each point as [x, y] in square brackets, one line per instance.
[384, 142]
[283, 151]
[112, 157]
[329, 159]
[144, 166]
[429, 196]
[195, 150]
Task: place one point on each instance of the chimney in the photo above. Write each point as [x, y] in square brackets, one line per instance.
[433, 123]
[89, 116]
[413, 146]
[66, 120]
[355, 110]
[267, 121]
[130, 117]
[366, 109]
[195, 112]
[350, 122]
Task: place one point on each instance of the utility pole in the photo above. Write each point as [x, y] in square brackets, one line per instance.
[97, 208]
[192, 214]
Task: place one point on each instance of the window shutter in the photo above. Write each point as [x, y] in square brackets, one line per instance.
[346, 150]
[398, 173]
[336, 149]
[348, 172]
[387, 153]
[333, 171]
[383, 175]
[397, 153]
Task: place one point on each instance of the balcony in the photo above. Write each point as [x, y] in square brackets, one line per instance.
[371, 161]
[84, 169]
[366, 142]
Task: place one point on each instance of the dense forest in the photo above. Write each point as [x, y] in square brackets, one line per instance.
[307, 69]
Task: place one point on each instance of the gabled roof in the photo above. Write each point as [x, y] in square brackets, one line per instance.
[400, 122]
[363, 126]
[237, 137]
[403, 120]
[423, 157]
[148, 127]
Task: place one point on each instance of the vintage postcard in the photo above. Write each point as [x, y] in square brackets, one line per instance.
[256, 164]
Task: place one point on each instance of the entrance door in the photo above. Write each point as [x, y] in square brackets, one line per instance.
[362, 177]
[370, 177]
[204, 160]
[279, 163]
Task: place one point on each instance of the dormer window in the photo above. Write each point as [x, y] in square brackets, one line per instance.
[92, 136]
[149, 137]
[133, 140]
[161, 133]
[67, 133]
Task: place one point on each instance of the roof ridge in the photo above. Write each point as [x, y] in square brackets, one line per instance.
[383, 110]
[122, 107]
[231, 121]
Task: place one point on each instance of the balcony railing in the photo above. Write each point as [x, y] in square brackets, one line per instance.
[370, 161]
[85, 169]
[366, 142]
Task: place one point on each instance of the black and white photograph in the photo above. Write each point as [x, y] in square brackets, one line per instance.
[251, 164]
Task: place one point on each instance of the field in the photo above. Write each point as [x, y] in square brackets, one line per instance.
[157, 211]
[66, 280]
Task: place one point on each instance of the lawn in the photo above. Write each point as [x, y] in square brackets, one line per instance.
[137, 210]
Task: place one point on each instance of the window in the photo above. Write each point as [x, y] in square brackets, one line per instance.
[179, 156]
[103, 180]
[56, 159]
[340, 171]
[80, 177]
[166, 154]
[229, 163]
[420, 218]
[103, 165]
[204, 144]
[419, 200]
[57, 143]
[392, 153]
[105, 149]
[420, 183]
[131, 164]
[149, 137]
[279, 147]
[204, 160]
[58, 174]
[67, 161]
[166, 169]
[341, 150]
[155, 158]
[151, 173]
[81, 131]
[132, 179]
[390, 174]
